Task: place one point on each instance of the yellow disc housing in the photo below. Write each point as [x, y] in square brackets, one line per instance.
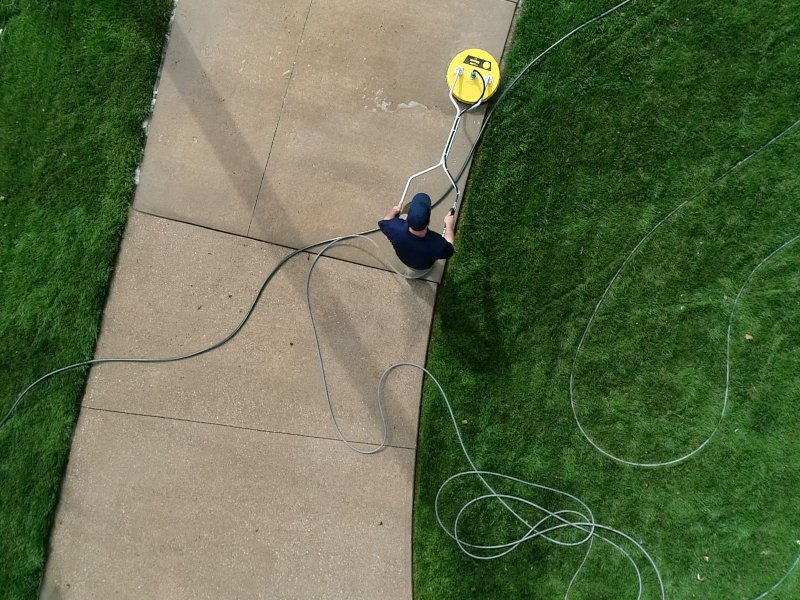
[476, 64]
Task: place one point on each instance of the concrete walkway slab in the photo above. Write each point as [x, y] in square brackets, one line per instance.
[162, 509]
[179, 289]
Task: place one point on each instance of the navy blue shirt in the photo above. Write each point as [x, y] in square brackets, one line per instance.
[415, 252]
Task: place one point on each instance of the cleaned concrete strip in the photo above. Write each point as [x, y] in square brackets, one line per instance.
[179, 288]
[367, 107]
[154, 508]
[220, 97]
[300, 120]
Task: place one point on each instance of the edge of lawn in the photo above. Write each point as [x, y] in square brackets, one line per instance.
[76, 84]
[734, 94]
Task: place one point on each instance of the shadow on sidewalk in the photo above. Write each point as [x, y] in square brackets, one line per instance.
[231, 150]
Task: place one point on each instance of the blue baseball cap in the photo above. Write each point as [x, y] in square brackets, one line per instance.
[419, 214]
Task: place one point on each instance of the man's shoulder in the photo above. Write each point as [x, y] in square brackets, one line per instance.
[391, 225]
[437, 238]
[438, 241]
[393, 222]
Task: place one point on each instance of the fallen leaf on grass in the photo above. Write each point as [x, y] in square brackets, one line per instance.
[748, 337]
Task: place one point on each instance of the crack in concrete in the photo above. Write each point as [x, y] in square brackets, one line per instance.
[280, 115]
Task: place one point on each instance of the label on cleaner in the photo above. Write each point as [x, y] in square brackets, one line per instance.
[474, 61]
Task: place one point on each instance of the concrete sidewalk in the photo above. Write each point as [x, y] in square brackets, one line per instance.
[278, 123]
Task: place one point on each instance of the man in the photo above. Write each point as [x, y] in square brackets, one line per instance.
[416, 246]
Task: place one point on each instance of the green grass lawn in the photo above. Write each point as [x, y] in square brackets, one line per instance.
[76, 80]
[615, 129]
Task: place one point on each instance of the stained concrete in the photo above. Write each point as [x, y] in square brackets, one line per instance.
[158, 508]
[179, 288]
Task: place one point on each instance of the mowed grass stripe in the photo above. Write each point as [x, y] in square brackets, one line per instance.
[594, 147]
[76, 80]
